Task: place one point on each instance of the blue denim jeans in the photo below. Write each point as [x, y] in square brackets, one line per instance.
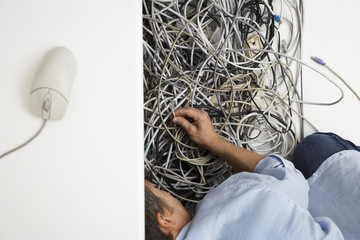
[316, 148]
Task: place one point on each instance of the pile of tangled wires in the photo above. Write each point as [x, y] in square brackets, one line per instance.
[226, 57]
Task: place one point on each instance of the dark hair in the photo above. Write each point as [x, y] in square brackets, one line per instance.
[153, 205]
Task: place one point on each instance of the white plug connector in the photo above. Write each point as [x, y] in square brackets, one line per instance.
[253, 42]
[283, 46]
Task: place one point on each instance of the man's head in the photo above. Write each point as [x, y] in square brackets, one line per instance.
[165, 216]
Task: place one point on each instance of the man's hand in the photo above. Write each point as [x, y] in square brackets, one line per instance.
[200, 129]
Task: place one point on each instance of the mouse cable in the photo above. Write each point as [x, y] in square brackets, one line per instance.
[321, 62]
[27, 142]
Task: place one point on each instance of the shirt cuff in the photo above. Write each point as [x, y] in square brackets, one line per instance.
[275, 161]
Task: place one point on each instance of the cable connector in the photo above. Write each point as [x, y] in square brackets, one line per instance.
[277, 19]
[318, 60]
[252, 42]
[283, 46]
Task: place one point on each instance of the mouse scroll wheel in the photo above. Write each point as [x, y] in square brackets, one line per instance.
[47, 102]
[46, 105]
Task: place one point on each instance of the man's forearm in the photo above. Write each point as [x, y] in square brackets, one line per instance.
[240, 158]
[202, 132]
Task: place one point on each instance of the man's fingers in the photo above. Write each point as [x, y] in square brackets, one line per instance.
[189, 112]
[183, 122]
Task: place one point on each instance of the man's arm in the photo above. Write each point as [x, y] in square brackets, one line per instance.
[202, 132]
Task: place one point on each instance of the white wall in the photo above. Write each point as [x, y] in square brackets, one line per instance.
[82, 177]
[332, 33]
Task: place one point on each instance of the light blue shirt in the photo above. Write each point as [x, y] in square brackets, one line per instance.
[335, 192]
[270, 203]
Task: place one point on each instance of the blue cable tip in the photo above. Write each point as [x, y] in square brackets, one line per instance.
[318, 60]
[276, 18]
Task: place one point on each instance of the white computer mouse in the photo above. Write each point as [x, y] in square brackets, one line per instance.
[52, 84]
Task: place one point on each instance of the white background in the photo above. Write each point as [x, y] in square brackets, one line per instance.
[332, 32]
[82, 178]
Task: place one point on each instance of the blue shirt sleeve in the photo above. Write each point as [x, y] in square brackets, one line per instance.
[291, 181]
[275, 161]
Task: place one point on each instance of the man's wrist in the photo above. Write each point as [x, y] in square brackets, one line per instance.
[215, 144]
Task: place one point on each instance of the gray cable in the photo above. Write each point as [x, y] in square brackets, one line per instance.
[346, 84]
[27, 142]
